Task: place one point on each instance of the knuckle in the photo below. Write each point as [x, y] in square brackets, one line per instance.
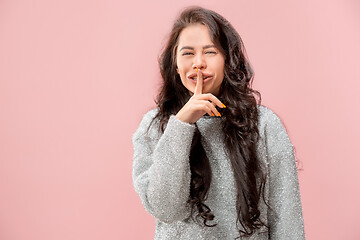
[211, 106]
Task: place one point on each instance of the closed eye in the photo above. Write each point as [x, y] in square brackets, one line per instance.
[188, 53]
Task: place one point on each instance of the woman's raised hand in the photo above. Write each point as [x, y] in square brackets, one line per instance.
[199, 104]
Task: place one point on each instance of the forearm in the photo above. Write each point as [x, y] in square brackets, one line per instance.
[169, 181]
[164, 186]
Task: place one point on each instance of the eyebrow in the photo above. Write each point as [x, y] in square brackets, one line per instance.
[191, 48]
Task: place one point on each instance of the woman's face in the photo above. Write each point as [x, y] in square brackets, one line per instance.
[195, 48]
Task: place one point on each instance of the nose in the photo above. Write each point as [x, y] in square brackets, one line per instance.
[199, 62]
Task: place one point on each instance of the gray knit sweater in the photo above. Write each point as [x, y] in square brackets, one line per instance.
[161, 177]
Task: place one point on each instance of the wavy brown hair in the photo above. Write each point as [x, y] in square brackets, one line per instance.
[240, 124]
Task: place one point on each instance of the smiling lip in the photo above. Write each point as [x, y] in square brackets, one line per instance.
[206, 77]
[205, 80]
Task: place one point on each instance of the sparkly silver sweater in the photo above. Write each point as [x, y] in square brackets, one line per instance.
[161, 178]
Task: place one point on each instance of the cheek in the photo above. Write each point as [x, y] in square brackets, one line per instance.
[221, 69]
[181, 73]
[184, 63]
[181, 69]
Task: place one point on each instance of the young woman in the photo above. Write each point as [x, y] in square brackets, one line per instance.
[209, 161]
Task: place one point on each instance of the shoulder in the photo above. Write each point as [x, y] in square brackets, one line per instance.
[145, 122]
[270, 123]
[272, 128]
[267, 116]
[149, 115]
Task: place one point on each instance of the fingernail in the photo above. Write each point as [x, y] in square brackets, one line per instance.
[219, 114]
[213, 114]
[197, 70]
[223, 105]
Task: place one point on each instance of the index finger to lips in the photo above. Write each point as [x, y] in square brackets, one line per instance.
[199, 82]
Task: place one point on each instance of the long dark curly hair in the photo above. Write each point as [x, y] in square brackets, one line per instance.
[240, 124]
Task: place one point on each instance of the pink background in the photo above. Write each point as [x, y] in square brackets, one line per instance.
[77, 76]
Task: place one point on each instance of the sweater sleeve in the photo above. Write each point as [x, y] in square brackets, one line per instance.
[161, 168]
[284, 194]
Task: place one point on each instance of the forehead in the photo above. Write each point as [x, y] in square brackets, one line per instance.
[195, 35]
